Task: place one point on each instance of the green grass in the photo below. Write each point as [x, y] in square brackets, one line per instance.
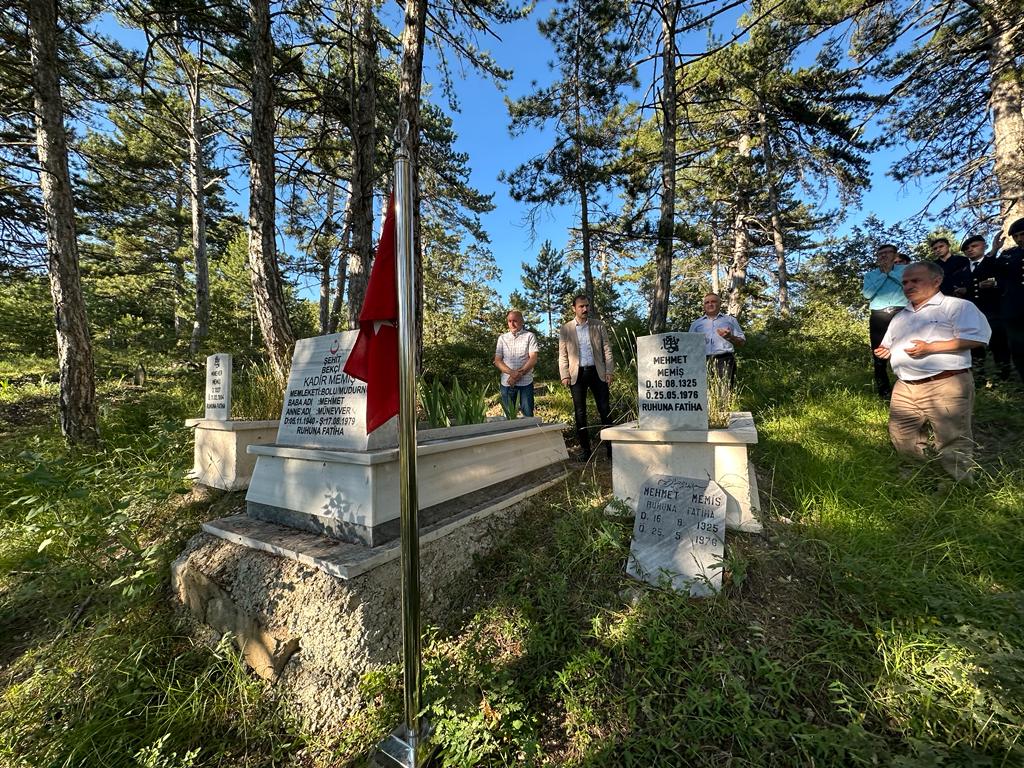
[877, 621]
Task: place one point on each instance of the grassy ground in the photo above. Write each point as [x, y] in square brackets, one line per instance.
[878, 621]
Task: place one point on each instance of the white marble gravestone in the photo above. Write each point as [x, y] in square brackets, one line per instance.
[324, 407]
[679, 534]
[218, 387]
[672, 381]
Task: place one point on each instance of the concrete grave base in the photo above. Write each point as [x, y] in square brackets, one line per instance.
[221, 451]
[312, 632]
[354, 495]
[715, 454]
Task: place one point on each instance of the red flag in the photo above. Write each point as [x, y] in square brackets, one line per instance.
[374, 358]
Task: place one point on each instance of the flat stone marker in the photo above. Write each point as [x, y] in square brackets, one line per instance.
[672, 381]
[679, 533]
[218, 387]
[324, 407]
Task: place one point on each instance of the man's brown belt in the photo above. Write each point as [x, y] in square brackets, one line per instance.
[937, 376]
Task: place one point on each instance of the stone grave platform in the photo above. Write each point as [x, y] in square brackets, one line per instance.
[354, 496]
[221, 458]
[715, 454]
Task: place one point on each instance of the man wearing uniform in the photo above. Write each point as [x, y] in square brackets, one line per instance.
[982, 290]
[1011, 289]
[929, 347]
[953, 266]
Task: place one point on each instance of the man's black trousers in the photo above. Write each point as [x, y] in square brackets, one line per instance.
[587, 378]
[878, 324]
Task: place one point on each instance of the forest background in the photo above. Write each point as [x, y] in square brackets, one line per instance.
[673, 167]
[159, 203]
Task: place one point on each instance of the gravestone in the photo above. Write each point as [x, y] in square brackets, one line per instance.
[324, 407]
[679, 534]
[218, 387]
[672, 381]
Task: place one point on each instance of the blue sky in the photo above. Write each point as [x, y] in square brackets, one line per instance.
[482, 127]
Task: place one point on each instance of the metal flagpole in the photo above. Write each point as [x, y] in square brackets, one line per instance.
[407, 746]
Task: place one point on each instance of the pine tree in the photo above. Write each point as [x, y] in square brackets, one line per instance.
[548, 285]
[582, 107]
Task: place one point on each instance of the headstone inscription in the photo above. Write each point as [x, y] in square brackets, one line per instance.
[679, 533]
[218, 387]
[324, 407]
[672, 381]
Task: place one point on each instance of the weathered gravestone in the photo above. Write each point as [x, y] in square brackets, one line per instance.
[324, 407]
[679, 534]
[218, 387]
[672, 381]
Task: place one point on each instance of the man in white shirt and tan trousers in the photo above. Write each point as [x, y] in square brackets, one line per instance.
[929, 346]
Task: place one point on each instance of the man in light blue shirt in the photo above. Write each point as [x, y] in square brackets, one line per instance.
[883, 288]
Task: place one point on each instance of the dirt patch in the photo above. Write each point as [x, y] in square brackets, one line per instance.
[27, 412]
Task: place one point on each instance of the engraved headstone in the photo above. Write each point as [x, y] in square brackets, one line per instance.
[218, 387]
[324, 407]
[679, 534]
[672, 381]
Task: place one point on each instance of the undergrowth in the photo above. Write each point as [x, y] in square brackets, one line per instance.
[876, 621]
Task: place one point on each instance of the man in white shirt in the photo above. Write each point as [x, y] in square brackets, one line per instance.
[585, 363]
[515, 356]
[929, 345]
[722, 334]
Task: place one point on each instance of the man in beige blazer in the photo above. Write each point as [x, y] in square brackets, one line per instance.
[585, 362]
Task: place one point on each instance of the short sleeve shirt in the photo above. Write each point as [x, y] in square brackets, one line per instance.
[515, 349]
[713, 343]
[941, 318]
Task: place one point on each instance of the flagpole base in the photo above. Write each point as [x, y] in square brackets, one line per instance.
[402, 749]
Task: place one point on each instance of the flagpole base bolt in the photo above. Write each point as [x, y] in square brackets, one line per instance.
[403, 749]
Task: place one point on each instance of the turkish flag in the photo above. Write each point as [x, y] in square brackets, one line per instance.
[374, 358]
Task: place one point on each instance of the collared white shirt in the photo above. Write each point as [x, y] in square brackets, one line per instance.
[939, 319]
[515, 349]
[583, 339]
[713, 343]
[974, 264]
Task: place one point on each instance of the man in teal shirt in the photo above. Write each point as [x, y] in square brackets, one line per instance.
[883, 288]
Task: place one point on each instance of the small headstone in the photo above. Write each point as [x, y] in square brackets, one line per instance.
[218, 387]
[672, 381]
[679, 534]
[324, 407]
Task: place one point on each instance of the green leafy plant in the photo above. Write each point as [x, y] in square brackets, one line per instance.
[721, 400]
[434, 401]
[469, 403]
[258, 393]
[456, 405]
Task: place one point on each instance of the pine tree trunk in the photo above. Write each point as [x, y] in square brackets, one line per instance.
[344, 249]
[716, 260]
[588, 272]
[411, 82]
[325, 258]
[773, 204]
[666, 220]
[177, 267]
[267, 285]
[740, 257]
[74, 348]
[197, 190]
[741, 235]
[364, 138]
[1005, 108]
